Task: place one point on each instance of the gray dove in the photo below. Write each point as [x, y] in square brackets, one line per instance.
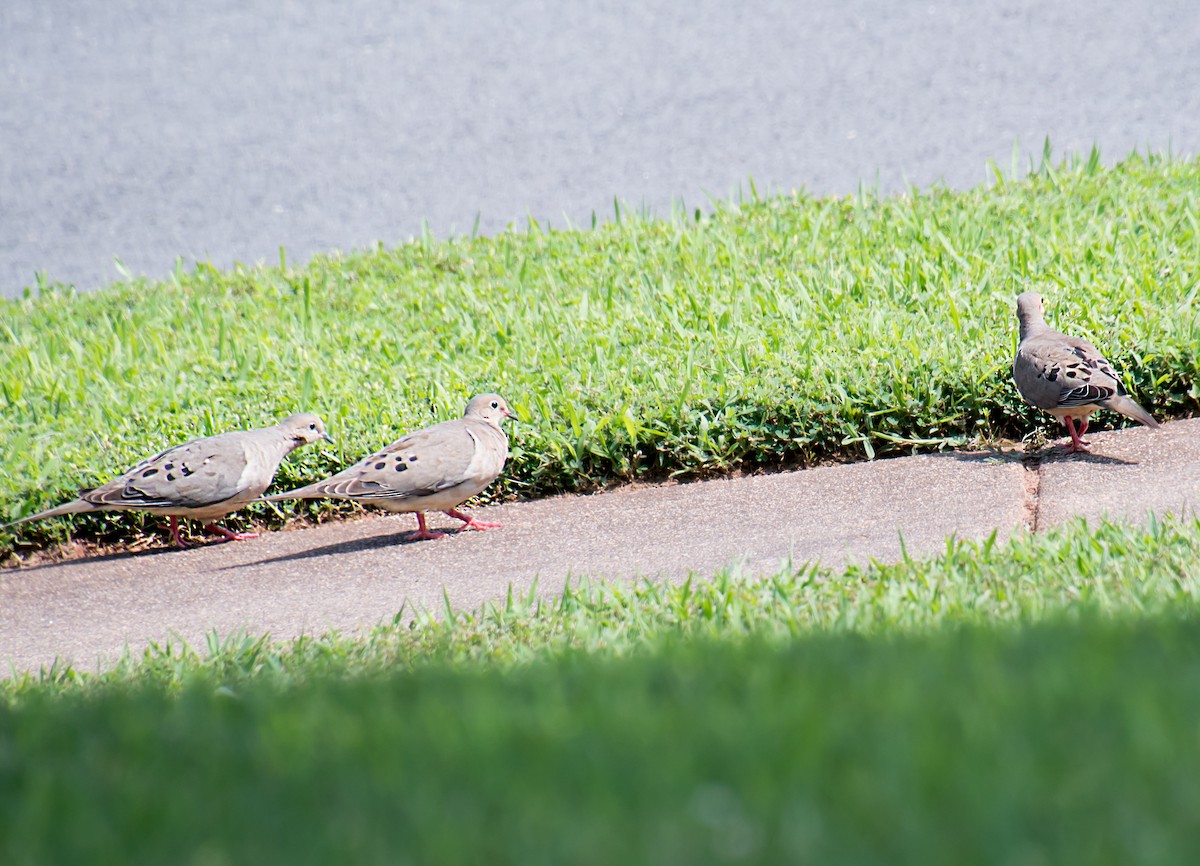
[1066, 376]
[204, 479]
[434, 469]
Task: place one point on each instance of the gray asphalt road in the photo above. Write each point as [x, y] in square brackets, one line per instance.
[222, 130]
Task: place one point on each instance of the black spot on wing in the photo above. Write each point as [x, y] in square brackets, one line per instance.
[1107, 370]
[149, 472]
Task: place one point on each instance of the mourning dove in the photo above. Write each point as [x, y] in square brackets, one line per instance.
[204, 479]
[1066, 376]
[434, 469]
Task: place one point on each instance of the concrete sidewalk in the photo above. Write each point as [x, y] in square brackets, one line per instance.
[355, 574]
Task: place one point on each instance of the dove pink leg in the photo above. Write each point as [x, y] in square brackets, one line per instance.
[179, 542]
[1077, 444]
[471, 522]
[1083, 424]
[229, 536]
[423, 532]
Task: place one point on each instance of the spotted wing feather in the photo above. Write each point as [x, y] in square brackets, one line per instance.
[1064, 372]
[420, 464]
[192, 475]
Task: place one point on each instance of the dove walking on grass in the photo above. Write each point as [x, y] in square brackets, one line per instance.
[1066, 376]
[434, 469]
[204, 479]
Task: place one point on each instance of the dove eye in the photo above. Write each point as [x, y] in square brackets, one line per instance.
[312, 426]
[495, 405]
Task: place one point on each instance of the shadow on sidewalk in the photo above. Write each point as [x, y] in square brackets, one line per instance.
[357, 545]
[1051, 454]
[98, 558]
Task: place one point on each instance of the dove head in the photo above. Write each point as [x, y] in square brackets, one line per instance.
[490, 408]
[303, 428]
[1029, 312]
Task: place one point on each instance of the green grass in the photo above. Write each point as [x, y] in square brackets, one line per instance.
[1033, 701]
[1061, 743]
[774, 331]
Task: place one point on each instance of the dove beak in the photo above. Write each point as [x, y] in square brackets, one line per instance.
[509, 413]
[327, 438]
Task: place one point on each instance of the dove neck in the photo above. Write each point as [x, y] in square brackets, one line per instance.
[290, 444]
[1031, 325]
[491, 428]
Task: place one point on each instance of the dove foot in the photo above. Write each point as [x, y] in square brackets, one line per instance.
[470, 522]
[424, 535]
[1077, 443]
[422, 532]
[229, 536]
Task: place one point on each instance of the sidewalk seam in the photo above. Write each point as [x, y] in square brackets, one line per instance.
[1032, 464]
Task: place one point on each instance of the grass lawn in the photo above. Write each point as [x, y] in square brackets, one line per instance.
[775, 331]
[1060, 743]
[1029, 702]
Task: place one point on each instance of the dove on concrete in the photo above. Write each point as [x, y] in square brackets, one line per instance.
[434, 469]
[1066, 376]
[204, 479]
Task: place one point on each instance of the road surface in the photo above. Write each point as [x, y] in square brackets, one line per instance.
[223, 130]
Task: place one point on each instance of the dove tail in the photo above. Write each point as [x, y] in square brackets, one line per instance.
[1130, 409]
[298, 493]
[75, 506]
